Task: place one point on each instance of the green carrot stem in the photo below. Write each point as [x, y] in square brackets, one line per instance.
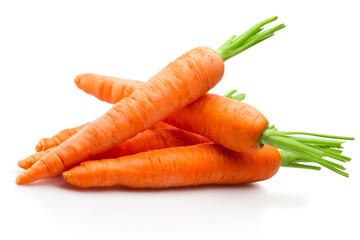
[317, 141]
[239, 97]
[311, 149]
[338, 151]
[290, 159]
[303, 166]
[329, 153]
[235, 45]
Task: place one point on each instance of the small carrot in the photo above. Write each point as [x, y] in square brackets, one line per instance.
[144, 141]
[207, 163]
[108, 89]
[46, 143]
[177, 85]
[240, 127]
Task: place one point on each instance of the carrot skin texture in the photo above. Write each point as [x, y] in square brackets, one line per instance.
[207, 163]
[178, 84]
[235, 125]
[57, 139]
[105, 88]
[232, 124]
[142, 142]
[46, 143]
[154, 139]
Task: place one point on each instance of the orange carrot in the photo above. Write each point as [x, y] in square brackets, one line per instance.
[240, 127]
[144, 141]
[178, 84]
[108, 89]
[207, 163]
[46, 143]
[168, 91]
[57, 139]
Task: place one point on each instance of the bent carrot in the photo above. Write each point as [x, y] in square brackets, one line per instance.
[144, 141]
[240, 127]
[176, 167]
[178, 84]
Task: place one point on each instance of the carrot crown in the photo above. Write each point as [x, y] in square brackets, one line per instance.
[307, 149]
[251, 37]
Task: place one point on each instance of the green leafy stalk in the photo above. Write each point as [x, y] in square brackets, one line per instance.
[238, 97]
[235, 45]
[300, 149]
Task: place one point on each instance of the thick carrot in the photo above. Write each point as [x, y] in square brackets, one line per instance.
[175, 167]
[144, 141]
[178, 84]
[240, 127]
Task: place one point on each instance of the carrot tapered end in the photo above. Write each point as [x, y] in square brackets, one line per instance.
[23, 164]
[37, 171]
[39, 147]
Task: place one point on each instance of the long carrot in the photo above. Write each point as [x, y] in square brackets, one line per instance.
[144, 141]
[57, 139]
[178, 84]
[240, 127]
[168, 136]
[207, 163]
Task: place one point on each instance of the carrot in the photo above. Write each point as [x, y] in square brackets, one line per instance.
[240, 127]
[57, 139]
[175, 167]
[107, 88]
[178, 84]
[177, 136]
[46, 143]
[144, 141]
[207, 163]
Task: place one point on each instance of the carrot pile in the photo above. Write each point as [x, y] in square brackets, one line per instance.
[169, 132]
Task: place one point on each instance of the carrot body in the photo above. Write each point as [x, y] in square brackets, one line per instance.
[144, 141]
[48, 143]
[240, 127]
[235, 125]
[108, 89]
[154, 139]
[178, 84]
[232, 124]
[175, 167]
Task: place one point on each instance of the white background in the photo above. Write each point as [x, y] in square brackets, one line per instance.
[305, 78]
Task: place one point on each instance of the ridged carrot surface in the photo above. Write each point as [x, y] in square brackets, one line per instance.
[176, 167]
[46, 143]
[178, 84]
[107, 88]
[144, 141]
[240, 127]
[232, 124]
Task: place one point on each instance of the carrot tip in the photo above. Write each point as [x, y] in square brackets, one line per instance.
[22, 179]
[77, 80]
[39, 147]
[22, 164]
[66, 175]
